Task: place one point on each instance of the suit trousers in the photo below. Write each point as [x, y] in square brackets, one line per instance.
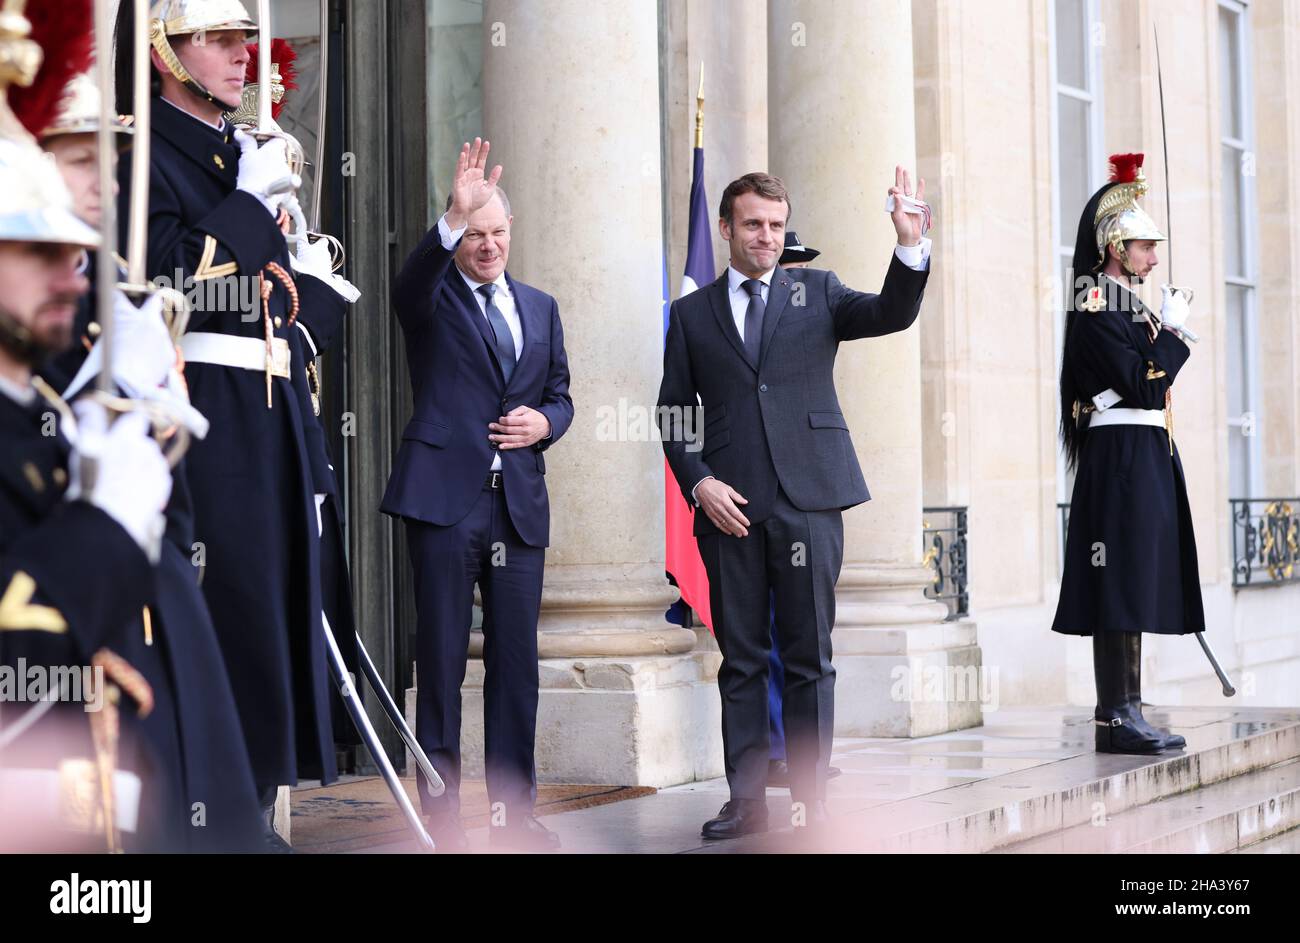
[790, 560]
[483, 548]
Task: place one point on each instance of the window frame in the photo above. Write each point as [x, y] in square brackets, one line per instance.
[1247, 227]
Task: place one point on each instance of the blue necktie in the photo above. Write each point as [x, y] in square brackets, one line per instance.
[754, 319]
[505, 341]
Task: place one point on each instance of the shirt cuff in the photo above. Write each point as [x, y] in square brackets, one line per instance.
[449, 238]
[697, 484]
[914, 257]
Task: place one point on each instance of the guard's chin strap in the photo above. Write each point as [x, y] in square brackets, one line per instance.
[158, 39]
[20, 343]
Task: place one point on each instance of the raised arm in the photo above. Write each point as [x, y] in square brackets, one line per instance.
[471, 189]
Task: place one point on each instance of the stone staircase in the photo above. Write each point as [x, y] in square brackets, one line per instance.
[1235, 787]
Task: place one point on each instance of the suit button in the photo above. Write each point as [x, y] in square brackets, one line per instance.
[762, 388]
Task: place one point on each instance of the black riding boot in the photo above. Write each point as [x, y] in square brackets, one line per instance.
[1133, 687]
[1116, 732]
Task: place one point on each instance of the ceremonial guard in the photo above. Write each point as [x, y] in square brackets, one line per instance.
[214, 230]
[323, 299]
[210, 804]
[1130, 558]
[80, 523]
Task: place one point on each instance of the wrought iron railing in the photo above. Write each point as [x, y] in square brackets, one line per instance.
[1265, 541]
[943, 536]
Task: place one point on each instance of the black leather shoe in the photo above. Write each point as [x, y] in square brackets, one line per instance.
[1133, 693]
[448, 834]
[738, 817]
[524, 833]
[1116, 732]
[1118, 735]
[778, 773]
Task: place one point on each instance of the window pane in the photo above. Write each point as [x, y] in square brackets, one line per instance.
[454, 47]
[1239, 403]
[1073, 140]
[1071, 43]
[1229, 74]
[1234, 252]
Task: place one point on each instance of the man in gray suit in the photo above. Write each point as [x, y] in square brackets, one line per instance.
[773, 472]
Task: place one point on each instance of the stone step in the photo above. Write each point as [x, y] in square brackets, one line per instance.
[1214, 819]
[1043, 801]
[1288, 843]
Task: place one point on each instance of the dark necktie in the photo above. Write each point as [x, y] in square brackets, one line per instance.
[754, 319]
[505, 341]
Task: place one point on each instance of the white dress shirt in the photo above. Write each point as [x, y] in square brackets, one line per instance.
[219, 126]
[914, 257]
[505, 301]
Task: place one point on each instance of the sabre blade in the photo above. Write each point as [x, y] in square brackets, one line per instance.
[1228, 689]
[318, 174]
[371, 739]
[264, 65]
[138, 220]
[1164, 146]
[436, 786]
[106, 261]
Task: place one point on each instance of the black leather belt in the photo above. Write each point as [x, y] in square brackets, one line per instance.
[493, 482]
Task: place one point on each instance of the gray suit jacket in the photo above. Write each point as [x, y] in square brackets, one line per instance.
[780, 422]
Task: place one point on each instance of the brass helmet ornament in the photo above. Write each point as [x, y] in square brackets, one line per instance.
[283, 78]
[1119, 218]
[37, 206]
[79, 113]
[171, 18]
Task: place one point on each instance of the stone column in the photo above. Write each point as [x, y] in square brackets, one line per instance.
[571, 106]
[840, 117]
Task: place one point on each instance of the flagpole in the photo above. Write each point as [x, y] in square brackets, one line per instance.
[699, 110]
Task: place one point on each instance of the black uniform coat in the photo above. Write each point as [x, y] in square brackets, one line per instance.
[251, 480]
[320, 319]
[71, 582]
[194, 729]
[1130, 498]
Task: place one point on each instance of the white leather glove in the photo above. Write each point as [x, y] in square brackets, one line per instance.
[1174, 310]
[313, 258]
[143, 352]
[144, 363]
[132, 481]
[264, 171]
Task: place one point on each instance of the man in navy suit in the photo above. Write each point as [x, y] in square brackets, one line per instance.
[491, 391]
[774, 470]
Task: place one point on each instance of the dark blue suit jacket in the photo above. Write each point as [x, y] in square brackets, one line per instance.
[778, 422]
[459, 388]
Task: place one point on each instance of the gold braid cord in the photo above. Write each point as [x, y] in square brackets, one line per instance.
[265, 289]
[105, 730]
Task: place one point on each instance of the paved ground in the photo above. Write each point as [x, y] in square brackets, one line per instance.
[890, 780]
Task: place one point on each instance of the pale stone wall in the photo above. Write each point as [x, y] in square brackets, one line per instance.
[731, 41]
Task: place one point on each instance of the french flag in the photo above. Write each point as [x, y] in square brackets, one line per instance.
[681, 554]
